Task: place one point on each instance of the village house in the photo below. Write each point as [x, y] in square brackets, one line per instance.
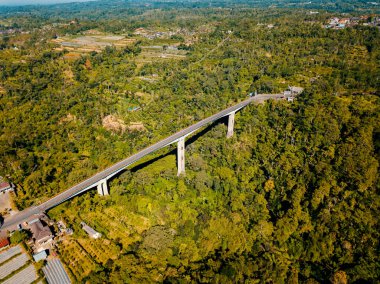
[4, 243]
[5, 186]
[90, 231]
[344, 21]
[41, 234]
[292, 92]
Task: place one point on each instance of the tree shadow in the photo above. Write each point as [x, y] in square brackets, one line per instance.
[188, 142]
[151, 161]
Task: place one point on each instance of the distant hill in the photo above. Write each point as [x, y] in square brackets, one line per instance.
[69, 8]
[37, 2]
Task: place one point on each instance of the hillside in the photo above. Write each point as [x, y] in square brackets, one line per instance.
[292, 197]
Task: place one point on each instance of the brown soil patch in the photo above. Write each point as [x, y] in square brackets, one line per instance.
[136, 126]
[114, 124]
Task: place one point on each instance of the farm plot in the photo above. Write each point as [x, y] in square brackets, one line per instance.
[76, 259]
[100, 249]
[9, 253]
[135, 223]
[153, 53]
[114, 229]
[25, 276]
[89, 43]
[119, 225]
[14, 264]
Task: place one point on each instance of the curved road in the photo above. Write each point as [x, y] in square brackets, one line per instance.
[114, 169]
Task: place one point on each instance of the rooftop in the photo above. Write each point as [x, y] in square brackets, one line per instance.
[40, 232]
[90, 230]
[4, 185]
[55, 273]
[4, 243]
[40, 256]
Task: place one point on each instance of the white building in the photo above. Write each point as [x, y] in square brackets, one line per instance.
[90, 231]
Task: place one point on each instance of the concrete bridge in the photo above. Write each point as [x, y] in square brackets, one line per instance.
[100, 179]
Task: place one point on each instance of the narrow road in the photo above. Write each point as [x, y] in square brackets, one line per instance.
[114, 169]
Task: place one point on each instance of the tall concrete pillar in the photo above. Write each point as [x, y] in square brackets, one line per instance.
[103, 187]
[230, 126]
[100, 189]
[181, 156]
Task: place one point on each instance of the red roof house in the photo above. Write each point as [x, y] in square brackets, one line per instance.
[4, 186]
[4, 243]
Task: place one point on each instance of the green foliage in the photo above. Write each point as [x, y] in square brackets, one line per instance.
[292, 197]
[19, 236]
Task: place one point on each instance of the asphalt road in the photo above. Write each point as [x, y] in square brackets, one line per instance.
[22, 216]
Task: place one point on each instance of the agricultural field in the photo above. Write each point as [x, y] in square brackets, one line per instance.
[16, 267]
[91, 41]
[101, 250]
[152, 53]
[25, 276]
[83, 255]
[78, 261]
[118, 224]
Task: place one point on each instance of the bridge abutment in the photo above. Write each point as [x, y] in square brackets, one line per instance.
[230, 126]
[103, 187]
[181, 156]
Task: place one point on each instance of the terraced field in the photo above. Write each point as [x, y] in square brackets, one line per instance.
[119, 227]
[101, 250]
[92, 42]
[117, 224]
[76, 259]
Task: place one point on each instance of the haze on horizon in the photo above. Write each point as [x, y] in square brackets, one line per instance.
[37, 2]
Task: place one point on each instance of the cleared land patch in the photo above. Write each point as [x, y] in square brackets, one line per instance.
[89, 43]
[153, 53]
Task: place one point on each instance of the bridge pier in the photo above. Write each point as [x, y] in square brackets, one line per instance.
[103, 187]
[230, 126]
[181, 156]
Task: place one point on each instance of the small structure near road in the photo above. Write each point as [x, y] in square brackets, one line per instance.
[63, 229]
[90, 231]
[292, 92]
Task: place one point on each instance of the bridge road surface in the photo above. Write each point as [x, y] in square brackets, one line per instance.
[28, 213]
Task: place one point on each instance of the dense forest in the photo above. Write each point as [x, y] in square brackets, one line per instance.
[292, 197]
